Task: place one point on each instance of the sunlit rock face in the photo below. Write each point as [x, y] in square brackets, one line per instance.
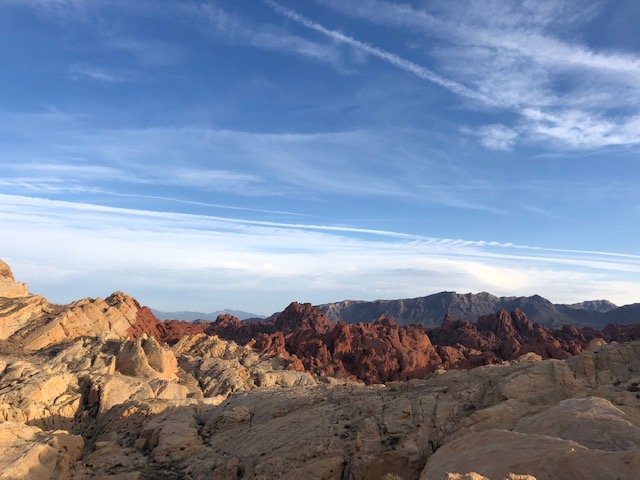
[90, 390]
[9, 288]
[208, 408]
[31, 322]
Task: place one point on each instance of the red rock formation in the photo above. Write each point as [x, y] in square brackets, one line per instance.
[504, 336]
[383, 351]
[146, 322]
[374, 352]
[171, 331]
[621, 333]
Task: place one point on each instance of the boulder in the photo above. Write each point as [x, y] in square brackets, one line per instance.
[28, 452]
[496, 453]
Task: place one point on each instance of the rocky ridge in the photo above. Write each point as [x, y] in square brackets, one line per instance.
[88, 391]
[9, 288]
[430, 310]
[384, 351]
[128, 410]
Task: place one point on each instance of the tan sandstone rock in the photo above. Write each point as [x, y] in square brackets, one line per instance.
[211, 409]
[495, 453]
[9, 288]
[28, 452]
[592, 422]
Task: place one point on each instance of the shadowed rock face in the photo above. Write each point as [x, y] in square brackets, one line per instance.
[505, 336]
[430, 310]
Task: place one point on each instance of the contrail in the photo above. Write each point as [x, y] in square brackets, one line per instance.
[14, 203]
[392, 58]
[204, 204]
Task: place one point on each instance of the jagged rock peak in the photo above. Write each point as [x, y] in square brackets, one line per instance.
[298, 315]
[117, 298]
[9, 288]
[227, 320]
[386, 321]
[448, 321]
[5, 271]
[602, 306]
[505, 323]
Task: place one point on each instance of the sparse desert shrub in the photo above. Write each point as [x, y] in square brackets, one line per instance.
[391, 476]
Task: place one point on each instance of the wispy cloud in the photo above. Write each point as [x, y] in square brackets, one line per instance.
[582, 130]
[418, 70]
[64, 151]
[239, 31]
[149, 53]
[497, 137]
[168, 260]
[85, 72]
[515, 56]
[202, 204]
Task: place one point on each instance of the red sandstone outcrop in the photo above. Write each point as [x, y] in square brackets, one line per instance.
[375, 352]
[302, 335]
[383, 351]
[505, 336]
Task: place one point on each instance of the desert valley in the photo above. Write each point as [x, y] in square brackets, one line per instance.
[101, 389]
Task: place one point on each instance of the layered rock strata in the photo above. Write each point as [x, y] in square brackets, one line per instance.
[88, 391]
[579, 415]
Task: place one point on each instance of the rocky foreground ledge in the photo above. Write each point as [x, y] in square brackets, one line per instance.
[209, 409]
[85, 392]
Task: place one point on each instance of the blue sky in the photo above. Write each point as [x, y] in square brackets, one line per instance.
[212, 154]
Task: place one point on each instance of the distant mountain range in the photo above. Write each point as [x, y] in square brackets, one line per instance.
[205, 317]
[430, 310]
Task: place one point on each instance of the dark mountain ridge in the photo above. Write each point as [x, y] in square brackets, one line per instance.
[431, 309]
[190, 316]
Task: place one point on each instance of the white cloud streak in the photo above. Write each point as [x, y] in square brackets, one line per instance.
[62, 151]
[169, 260]
[393, 59]
[510, 55]
[237, 31]
[85, 72]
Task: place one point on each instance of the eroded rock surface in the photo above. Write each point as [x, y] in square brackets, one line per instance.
[88, 391]
[28, 452]
[218, 424]
[383, 351]
[485, 416]
[31, 322]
